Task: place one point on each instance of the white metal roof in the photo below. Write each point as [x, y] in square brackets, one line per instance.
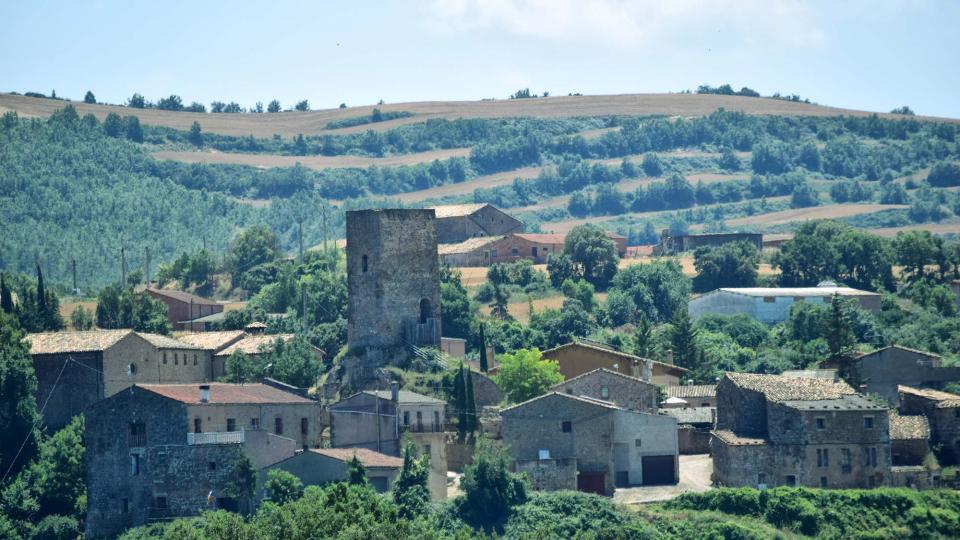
[796, 291]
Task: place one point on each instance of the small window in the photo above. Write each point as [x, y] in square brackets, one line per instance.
[637, 443]
[570, 391]
[131, 369]
[406, 418]
[821, 423]
[164, 357]
[254, 423]
[278, 426]
[845, 458]
[769, 299]
[363, 263]
[791, 480]
[823, 481]
[197, 425]
[427, 449]
[705, 404]
[436, 421]
[160, 503]
[868, 422]
[566, 426]
[546, 250]
[134, 464]
[211, 465]
[823, 457]
[124, 505]
[514, 251]
[194, 359]
[304, 426]
[493, 253]
[761, 479]
[176, 359]
[231, 424]
[956, 413]
[604, 392]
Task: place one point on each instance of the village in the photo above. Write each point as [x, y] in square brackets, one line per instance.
[163, 432]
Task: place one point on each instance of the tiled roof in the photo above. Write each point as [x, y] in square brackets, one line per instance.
[75, 342]
[184, 297]
[909, 427]
[368, 458]
[902, 348]
[224, 393]
[213, 317]
[778, 388]
[854, 402]
[253, 344]
[811, 373]
[456, 210]
[733, 439]
[164, 342]
[405, 396]
[467, 245]
[691, 415]
[584, 399]
[696, 390]
[670, 367]
[595, 372]
[212, 341]
[796, 291]
[542, 238]
[944, 400]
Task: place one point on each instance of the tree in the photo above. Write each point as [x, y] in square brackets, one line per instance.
[804, 196]
[123, 307]
[113, 125]
[822, 250]
[273, 106]
[498, 308]
[89, 97]
[944, 174]
[195, 136]
[561, 268]
[490, 490]
[729, 160]
[19, 417]
[524, 375]
[81, 319]
[728, 265]
[652, 165]
[282, 486]
[659, 289]
[460, 402]
[594, 252]
[302, 106]
[58, 476]
[642, 337]
[410, 490]
[683, 337]
[253, 246]
[471, 413]
[915, 250]
[293, 362]
[239, 368]
[243, 479]
[133, 130]
[842, 342]
[172, 103]
[6, 297]
[484, 362]
[356, 472]
[136, 101]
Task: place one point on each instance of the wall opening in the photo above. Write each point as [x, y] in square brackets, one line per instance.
[426, 310]
[363, 263]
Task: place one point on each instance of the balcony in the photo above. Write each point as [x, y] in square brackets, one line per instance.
[420, 428]
[216, 437]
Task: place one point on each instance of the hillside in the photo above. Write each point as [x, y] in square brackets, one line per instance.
[289, 124]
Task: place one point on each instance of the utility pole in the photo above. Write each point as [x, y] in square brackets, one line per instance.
[147, 255]
[323, 212]
[300, 224]
[74, 265]
[123, 268]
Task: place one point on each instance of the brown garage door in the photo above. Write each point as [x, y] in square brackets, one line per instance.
[658, 470]
[591, 482]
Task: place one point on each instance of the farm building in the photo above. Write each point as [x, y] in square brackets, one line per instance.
[577, 358]
[184, 309]
[883, 370]
[536, 247]
[459, 222]
[670, 245]
[771, 305]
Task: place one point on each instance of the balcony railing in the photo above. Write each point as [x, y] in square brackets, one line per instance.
[216, 437]
[420, 428]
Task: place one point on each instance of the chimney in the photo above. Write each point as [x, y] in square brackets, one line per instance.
[394, 391]
[670, 356]
[635, 369]
[647, 369]
[204, 393]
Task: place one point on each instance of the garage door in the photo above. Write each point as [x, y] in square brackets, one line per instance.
[658, 470]
[591, 482]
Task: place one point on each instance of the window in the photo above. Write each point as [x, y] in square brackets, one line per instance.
[138, 434]
[194, 359]
[845, 462]
[176, 359]
[197, 425]
[791, 480]
[160, 503]
[705, 404]
[769, 299]
[124, 505]
[131, 369]
[570, 391]
[604, 392]
[419, 421]
[426, 310]
[164, 357]
[363, 263]
[870, 457]
[134, 464]
[761, 479]
[278, 426]
[254, 423]
[514, 251]
[868, 422]
[823, 457]
[211, 465]
[637, 443]
[956, 413]
[406, 418]
[436, 421]
[426, 449]
[566, 426]
[304, 426]
[493, 253]
[823, 481]
[231, 424]
[821, 423]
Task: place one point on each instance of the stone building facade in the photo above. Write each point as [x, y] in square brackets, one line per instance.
[883, 370]
[392, 279]
[459, 222]
[319, 466]
[144, 464]
[380, 420]
[183, 307]
[604, 384]
[773, 430]
[580, 357]
[692, 395]
[909, 439]
[607, 445]
[536, 247]
[77, 369]
[670, 245]
[942, 410]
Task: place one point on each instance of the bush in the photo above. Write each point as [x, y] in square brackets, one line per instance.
[56, 528]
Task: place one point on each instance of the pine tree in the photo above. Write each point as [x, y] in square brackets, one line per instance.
[6, 298]
[410, 490]
[41, 296]
[356, 472]
[484, 363]
[19, 417]
[683, 339]
[642, 336]
[471, 412]
[842, 342]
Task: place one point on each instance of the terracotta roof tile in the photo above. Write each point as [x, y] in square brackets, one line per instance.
[777, 388]
[254, 344]
[695, 390]
[225, 393]
[405, 396]
[612, 351]
[944, 400]
[909, 427]
[369, 458]
[212, 341]
[184, 297]
[164, 342]
[75, 342]
[596, 372]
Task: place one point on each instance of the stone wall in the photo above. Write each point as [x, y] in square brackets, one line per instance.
[214, 417]
[693, 440]
[549, 474]
[627, 392]
[459, 455]
[69, 392]
[740, 410]
[485, 391]
[906, 452]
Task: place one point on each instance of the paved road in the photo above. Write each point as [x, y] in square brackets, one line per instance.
[695, 474]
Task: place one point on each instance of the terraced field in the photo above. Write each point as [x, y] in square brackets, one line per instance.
[313, 162]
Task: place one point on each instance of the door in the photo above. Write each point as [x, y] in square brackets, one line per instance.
[592, 482]
[533, 251]
[658, 470]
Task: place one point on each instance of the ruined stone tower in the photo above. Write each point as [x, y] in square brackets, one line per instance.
[392, 280]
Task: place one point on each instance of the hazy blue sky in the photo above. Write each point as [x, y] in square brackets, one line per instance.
[872, 55]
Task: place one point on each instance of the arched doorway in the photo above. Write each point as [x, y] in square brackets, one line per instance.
[426, 310]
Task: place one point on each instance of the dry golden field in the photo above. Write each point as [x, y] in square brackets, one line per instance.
[313, 162]
[817, 212]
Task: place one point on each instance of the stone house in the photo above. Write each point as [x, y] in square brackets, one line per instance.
[382, 420]
[909, 439]
[607, 385]
[883, 370]
[459, 222]
[691, 395]
[694, 425]
[579, 357]
[564, 441]
[773, 431]
[536, 247]
[486, 393]
[670, 245]
[942, 410]
[183, 308]
[319, 466]
[76, 369]
[454, 347]
[254, 346]
[146, 461]
[771, 305]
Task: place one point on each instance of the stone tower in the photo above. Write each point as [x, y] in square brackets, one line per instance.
[392, 279]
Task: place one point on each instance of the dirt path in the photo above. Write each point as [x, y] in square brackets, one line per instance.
[695, 474]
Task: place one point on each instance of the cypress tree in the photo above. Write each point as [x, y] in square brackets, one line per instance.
[484, 365]
[471, 412]
[41, 296]
[460, 399]
[842, 343]
[6, 298]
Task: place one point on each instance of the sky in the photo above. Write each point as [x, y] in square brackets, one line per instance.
[872, 55]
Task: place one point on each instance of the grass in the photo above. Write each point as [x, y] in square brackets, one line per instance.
[312, 162]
